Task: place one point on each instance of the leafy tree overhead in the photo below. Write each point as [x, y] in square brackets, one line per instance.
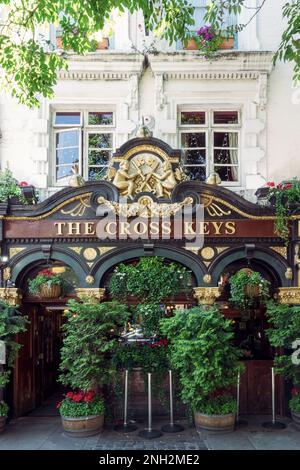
[30, 61]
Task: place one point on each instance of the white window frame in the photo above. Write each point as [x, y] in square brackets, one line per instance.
[95, 130]
[95, 126]
[55, 166]
[199, 129]
[210, 129]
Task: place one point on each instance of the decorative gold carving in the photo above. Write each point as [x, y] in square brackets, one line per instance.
[105, 249]
[220, 249]
[90, 254]
[90, 264]
[288, 274]
[145, 207]
[79, 209]
[89, 279]
[206, 295]
[90, 294]
[7, 273]
[214, 179]
[207, 263]
[207, 253]
[15, 250]
[213, 209]
[289, 295]
[11, 295]
[207, 278]
[192, 249]
[77, 249]
[146, 149]
[76, 180]
[281, 250]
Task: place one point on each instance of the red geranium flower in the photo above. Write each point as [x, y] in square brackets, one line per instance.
[70, 395]
[23, 184]
[58, 405]
[271, 184]
[77, 397]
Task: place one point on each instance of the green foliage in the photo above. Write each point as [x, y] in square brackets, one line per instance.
[150, 279]
[152, 357]
[220, 405]
[9, 187]
[72, 409]
[284, 330]
[285, 195]
[90, 338]
[243, 283]
[149, 315]
[201, 351]
[294, 403]
[46, 276]
[3, 408]
[11, 323]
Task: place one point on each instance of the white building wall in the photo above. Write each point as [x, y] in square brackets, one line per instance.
[116, 79]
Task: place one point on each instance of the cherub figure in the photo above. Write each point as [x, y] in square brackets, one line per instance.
[123, 181]
[165, 182]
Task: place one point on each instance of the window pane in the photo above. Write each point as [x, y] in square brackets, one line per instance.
[225, 156]
[63, 172]
[67, 156]
[67, 139]
[100, 140]
[196, 173]
[98, 157]
[227, 173]
[226, 117]
[69, 118]
[195, 157]
[225, 139]
[97, 173]
[191, 117]
[100, 119]
[195, 139]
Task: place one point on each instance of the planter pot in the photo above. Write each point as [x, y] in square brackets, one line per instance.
[84, 426]
[2, 423]
[296, 419]
[191, 45]
[228, 43]
[215, 424]
[50, 292]
[104, 44]
[59, 42]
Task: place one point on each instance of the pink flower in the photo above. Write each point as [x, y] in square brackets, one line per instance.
[271, 184]
[23, 184]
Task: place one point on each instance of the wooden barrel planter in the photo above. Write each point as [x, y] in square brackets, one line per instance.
[296, 419]
[85, 426]
[2, 423]
[215, 424]
[50, 292]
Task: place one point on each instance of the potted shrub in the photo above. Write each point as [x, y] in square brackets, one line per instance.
[284, 334]
[46, 284]
[202, 352]
[10, 190]
[11, 323]
[247, 288]
[3, 415]
[91, 335]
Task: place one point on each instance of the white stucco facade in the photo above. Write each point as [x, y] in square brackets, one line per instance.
[135, 83]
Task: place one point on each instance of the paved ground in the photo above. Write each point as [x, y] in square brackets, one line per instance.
[46, 433]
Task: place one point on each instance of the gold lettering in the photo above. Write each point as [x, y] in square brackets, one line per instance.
[154, 228]
[217, 226]
[204, 228]
[109, 226]
[59, 226]
[230, 228]
[124, 228]
[188, 228]
[89, 228]
[73, 228]
[143, 228]
[166, 228]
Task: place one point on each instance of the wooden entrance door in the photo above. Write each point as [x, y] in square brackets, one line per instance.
[36, 370]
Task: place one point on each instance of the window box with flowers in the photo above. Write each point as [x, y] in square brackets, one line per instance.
[209, 41]
[46, 284]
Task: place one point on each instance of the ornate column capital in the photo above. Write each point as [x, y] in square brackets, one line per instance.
[11, 295]
[289, 295]
[206, 295]
[90, 293]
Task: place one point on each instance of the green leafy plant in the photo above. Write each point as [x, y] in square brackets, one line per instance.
[219, 405]
[202, 352]
[3, 409]
[283, 332]
[294, 402]
[246, 287]
[91, 336]
[75, 405]
[207, 39]
[45, 277]
[9, 187]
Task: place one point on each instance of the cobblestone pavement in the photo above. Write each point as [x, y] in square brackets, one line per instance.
[46, 433]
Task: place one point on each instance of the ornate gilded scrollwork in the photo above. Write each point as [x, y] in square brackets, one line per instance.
[11, 295]
[90, 294]
[212, 208]
[289, 295]
[206, 295]
[79, 209]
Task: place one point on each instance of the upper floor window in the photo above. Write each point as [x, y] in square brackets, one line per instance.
[84, 138]
[210, 142]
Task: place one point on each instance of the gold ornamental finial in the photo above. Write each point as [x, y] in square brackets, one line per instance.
[143, 131]
[213, 178]
[75, 181]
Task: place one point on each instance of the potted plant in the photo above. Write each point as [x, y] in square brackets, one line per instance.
[11, 323]
[46, 284]
[202, 352]
[3, 415]
[284, 334]
[247, 288]
[10, 190]
[208, 40]
[91, 335]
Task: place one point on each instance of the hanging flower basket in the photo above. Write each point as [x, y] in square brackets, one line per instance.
[46, 284]
[50, 291]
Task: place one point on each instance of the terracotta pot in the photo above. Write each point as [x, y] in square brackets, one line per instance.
[228, 43]
[191, 45]
[2, 423]
[50, 292]
[59, 42]
[84, 426]
[215, 424]
[296, 419]
[104, 44]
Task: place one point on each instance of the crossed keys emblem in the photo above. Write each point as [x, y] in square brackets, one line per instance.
[146, 176]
